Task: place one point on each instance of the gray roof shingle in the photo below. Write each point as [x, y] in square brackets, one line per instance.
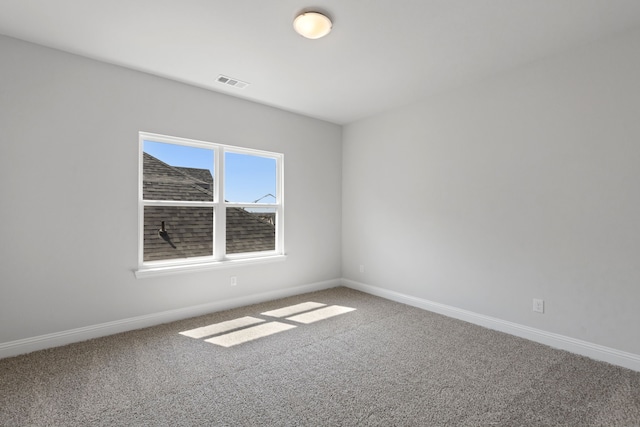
[189, 230]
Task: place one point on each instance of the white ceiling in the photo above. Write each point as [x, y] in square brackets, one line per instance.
[381, 54]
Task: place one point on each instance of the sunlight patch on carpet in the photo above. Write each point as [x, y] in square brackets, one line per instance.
[219, 328]
[293, 309]
[249, 334]
[249, 328]
[320, 314]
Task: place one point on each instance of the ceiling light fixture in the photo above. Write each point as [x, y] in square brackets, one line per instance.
[312, 25]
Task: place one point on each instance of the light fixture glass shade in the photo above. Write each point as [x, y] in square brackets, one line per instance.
[312, 25]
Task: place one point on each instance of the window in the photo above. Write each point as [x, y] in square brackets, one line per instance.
[203, 204]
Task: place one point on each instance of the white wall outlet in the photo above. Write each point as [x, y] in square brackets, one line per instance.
[361, 268]
[538, 305]
[234, 280]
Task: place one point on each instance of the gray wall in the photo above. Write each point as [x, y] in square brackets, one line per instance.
[519, 187]
[69, 170]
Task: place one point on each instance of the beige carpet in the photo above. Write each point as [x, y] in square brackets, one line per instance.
[349, 359]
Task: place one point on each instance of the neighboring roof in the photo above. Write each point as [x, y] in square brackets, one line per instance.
[248, 232]
[189, 230]
[203, 175]
[165, 182]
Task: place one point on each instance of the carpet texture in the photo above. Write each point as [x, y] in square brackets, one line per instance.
[382, 364]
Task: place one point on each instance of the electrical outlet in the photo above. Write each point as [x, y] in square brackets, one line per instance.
[538, 305]
[234, 280]
[361, 268]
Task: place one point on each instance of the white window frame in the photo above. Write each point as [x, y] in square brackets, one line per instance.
[219, 259]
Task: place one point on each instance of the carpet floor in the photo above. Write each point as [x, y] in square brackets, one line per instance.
[331, 358]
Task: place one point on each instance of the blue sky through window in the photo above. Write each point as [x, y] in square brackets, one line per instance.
[247, 177]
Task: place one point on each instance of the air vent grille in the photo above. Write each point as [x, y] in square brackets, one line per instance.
[230, 81]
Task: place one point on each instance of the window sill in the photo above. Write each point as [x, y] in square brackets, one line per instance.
[145, 272]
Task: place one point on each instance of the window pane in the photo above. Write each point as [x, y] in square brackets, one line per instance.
[249, 231]
[176, 172]
[188, 232]
[249, 179]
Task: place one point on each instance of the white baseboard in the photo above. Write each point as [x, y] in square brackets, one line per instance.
[594, 351]
[27, 345]
[584, 348]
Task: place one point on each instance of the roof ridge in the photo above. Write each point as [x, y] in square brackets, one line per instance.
[251, 214]
[190, 177]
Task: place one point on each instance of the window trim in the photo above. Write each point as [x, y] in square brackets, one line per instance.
[219, 259]
[165, 270]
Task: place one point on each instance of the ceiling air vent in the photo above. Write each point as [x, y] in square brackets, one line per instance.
[230, 81]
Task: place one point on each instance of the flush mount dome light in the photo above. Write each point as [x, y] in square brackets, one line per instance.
[312, 25]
